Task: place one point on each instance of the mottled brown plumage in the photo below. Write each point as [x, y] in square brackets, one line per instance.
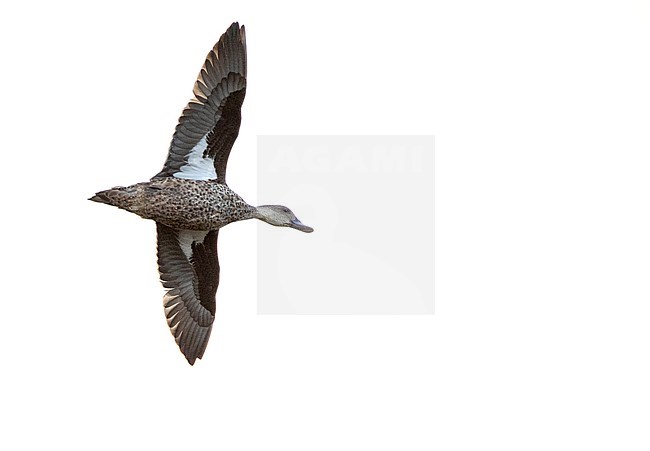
[189, 198]
[181, 203]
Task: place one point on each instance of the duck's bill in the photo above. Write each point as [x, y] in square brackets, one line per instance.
[296, 224]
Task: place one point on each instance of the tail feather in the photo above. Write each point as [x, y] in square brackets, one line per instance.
[101, 198]
[120, 197]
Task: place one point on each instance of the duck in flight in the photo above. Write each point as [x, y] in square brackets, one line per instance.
[190, 200]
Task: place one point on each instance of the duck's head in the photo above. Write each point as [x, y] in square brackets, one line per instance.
[281, 216]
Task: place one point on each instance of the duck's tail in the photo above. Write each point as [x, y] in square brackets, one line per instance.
[120, 197]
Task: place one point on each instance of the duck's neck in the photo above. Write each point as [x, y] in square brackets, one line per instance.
[263, 213]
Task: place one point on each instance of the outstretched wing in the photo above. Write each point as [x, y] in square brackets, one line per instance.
[189, 270]
[209, 125]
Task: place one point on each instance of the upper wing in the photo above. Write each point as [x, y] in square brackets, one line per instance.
[189, 270]
[209, 125]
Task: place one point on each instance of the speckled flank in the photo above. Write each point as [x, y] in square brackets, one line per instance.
[181, 203]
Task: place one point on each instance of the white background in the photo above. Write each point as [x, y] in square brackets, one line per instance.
[540, 338]
[371, 201]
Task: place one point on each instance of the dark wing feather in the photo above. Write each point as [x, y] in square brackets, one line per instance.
[209, 125]
[189, 270]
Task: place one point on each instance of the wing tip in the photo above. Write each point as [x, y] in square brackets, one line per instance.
[237, 31]
[194, 352]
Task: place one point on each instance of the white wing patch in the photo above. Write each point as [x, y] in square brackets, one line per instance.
[197, 167]
[188, 237]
